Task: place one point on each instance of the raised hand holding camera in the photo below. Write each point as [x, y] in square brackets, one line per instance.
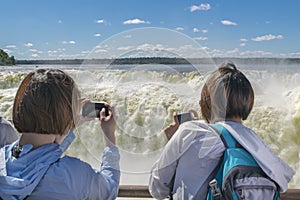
[179, 119]
[108, 124]
[92, 109]
[184, 117]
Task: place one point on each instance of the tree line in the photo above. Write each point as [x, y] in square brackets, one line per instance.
[161, 60]
[5, 59]
[117, 61]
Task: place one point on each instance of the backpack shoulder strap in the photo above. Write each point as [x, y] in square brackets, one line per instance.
[225, 135]
[229, 142]
[215, 184]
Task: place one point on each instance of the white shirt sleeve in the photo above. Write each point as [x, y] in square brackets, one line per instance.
[186, 162]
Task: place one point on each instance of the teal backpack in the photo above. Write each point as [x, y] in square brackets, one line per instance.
[238, 176]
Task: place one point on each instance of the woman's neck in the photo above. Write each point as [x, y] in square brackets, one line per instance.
[234, 119]
[36, 139]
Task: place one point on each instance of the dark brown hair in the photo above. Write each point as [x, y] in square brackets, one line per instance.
[226, 94]
[45, 102]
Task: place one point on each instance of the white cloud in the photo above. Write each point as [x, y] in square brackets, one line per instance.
[71, 56]
[201, 38]
[195, 30]
[243, 40]
[8, 51]
[148, 50]
[28, 44]
[179, 29]
[295, 54]
[233, 52]
[255, 54]
[85, 52]
[202, 6]
[125, 48]
[11, 46]
[100, 21]
[97, 35]
[204, 31]
[238, 53]
[52, 52]
[35, 55]
[55, 52]
[101, 46]
[267, 37]
[100, 51]
[150, 47]
[192, 51]
[135, 21]
[35, 51]
[243, 44]
[69, 42]
[158, 49]
[228, 23]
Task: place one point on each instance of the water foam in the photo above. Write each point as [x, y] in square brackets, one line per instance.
[145, 102]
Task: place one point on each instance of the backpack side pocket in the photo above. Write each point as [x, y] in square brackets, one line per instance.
[255, 188]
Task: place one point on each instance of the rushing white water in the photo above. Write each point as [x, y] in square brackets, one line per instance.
[146, 99]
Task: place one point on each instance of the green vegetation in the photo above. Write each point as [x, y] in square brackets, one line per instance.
[5, 59]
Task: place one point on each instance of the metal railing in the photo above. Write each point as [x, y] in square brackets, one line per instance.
[141, 191]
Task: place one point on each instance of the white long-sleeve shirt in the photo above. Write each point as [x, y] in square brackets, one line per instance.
[41, 173]
[186, 164]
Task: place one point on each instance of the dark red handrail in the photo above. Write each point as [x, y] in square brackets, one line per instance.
[141, 191]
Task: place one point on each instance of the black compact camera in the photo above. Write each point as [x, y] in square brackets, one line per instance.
[184, 117]
[92, 109]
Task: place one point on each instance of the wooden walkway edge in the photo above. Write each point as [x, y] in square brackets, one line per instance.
[141, 191]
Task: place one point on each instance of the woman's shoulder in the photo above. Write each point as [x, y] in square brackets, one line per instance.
[72, 164]
[71, 159]
[197, 127]
[195, 132]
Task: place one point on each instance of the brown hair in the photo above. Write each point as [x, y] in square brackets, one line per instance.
[45, 102]
[227, 93]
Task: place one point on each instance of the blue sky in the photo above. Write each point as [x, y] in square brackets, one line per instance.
[66, 29]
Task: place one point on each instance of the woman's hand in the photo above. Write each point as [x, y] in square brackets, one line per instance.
[172, 128]
[194, 114]
[79, 118]
[108, 125]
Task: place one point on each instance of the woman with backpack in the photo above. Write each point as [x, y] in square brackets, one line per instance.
[194, 152]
